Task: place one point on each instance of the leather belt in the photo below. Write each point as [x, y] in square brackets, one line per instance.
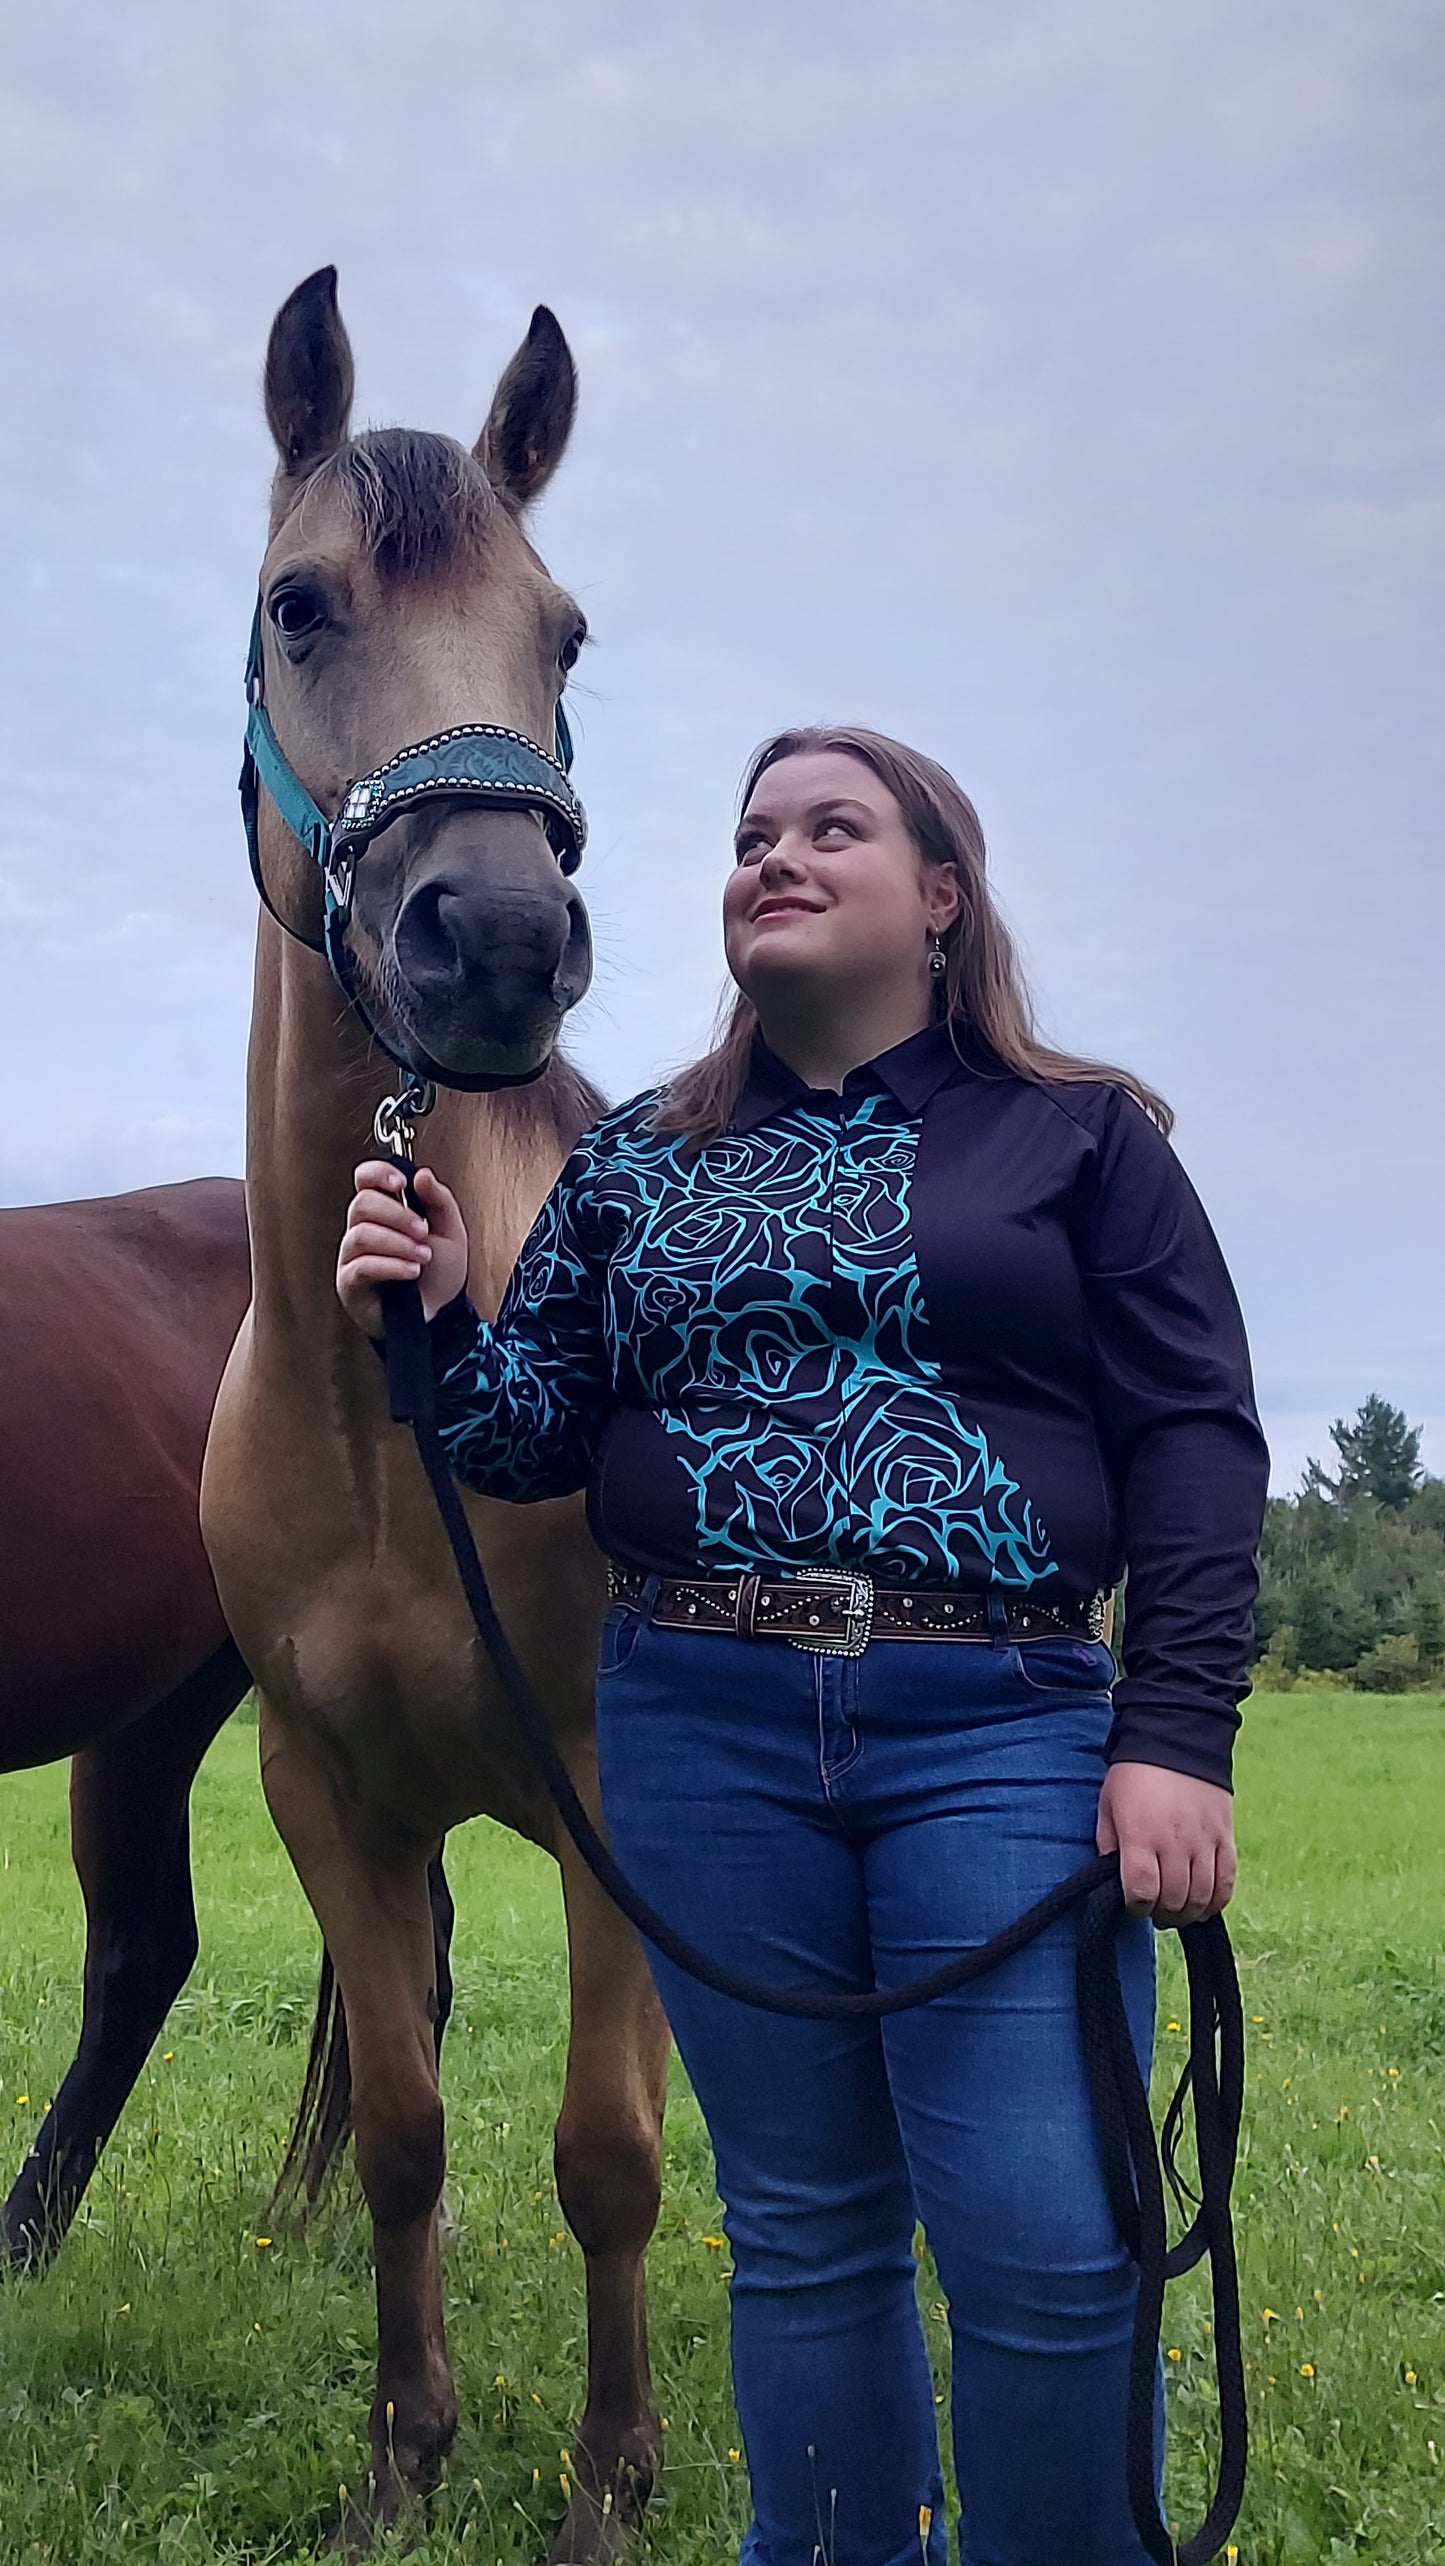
[836, 1612]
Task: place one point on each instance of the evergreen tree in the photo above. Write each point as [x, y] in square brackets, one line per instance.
[1427, 1621]
[1331, 1624]
[1379, 1456]
[1352, 1570]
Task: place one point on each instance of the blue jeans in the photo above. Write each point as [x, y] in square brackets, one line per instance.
[829, 1822]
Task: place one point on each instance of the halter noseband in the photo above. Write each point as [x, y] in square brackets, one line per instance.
[481, 759]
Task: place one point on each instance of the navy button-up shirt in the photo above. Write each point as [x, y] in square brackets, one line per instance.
[952, 1327]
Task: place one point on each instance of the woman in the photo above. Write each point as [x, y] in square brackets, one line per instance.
[883, 1339]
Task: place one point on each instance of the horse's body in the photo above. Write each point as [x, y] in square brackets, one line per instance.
[116, 1317]
[381, 1724]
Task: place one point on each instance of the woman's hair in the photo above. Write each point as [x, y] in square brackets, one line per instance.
[983, 986]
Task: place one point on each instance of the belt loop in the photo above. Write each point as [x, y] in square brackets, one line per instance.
[745, 1616]
[998, 1629]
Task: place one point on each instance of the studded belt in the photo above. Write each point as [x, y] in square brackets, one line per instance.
[836, 1612]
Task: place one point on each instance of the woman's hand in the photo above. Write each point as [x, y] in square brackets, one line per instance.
[1175, 1840]
[386, 1242]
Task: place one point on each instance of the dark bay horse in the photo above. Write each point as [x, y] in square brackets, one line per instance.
[401, 598]
[116, 1317]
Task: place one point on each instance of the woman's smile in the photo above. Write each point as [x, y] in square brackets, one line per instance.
[780, 905]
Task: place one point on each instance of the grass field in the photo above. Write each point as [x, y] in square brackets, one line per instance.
[186, 2386]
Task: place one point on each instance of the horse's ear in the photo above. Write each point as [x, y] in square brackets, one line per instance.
[309, 376]
[526, 433]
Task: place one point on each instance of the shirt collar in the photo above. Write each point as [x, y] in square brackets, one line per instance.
[912, 1072]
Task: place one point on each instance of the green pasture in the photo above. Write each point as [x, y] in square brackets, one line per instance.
[190, 2385]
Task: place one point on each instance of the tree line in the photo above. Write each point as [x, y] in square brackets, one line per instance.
[1352, 1569]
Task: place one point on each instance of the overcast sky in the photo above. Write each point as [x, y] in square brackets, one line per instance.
[1058, 386]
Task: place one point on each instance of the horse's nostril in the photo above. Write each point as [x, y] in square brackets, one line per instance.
[573, 974]
[426, 948]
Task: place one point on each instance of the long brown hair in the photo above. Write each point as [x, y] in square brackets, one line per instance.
[983, 987]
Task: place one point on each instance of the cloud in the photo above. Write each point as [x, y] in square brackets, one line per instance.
[1055, 387]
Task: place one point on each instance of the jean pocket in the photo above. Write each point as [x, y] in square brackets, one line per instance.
[620, 1633]
[1063, 1665]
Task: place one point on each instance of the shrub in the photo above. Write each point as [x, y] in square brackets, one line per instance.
[1427, 1621]
[1391, 1666]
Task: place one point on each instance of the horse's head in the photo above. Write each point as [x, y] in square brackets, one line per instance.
[401, 598]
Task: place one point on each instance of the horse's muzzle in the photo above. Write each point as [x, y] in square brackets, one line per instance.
[490, 948]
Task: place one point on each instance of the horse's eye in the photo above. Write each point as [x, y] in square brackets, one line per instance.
[567, 656]
[297, 612]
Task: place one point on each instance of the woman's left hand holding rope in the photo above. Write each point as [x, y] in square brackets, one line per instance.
[1174, 1836]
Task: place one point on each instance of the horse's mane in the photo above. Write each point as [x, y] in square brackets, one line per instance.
[417, 500]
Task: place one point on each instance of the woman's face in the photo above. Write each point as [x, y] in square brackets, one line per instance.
[829, 890]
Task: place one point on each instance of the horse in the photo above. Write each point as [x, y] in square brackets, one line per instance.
[116, 1316]
[400, 598]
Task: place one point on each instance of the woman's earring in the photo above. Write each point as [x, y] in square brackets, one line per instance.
[937, 959]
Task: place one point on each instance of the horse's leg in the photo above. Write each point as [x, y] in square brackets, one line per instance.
[443, 1919]
[608, 2153]
[369, 1893]
[130, 1835]
[325, 2127]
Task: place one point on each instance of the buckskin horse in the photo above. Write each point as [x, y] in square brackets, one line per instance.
[116, 1316]
[404, 621]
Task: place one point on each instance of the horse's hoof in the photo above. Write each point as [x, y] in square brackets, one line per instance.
[354, 2535]
[357, 2532]
[602, 2529]
[29, 2245]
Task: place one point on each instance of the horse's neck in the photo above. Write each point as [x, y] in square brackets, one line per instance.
[313, 1085]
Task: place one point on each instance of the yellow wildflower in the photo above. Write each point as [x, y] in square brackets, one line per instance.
[1307, 2369]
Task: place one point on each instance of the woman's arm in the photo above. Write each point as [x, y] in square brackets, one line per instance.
[1176, 1411]
[520, 1405]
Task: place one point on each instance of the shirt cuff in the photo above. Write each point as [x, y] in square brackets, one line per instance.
[448, 1335]
[452, 1332]
[1180, 1738]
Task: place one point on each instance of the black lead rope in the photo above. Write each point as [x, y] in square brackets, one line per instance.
[1133, 2172]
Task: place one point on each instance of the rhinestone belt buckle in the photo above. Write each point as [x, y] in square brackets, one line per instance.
[858, 1612]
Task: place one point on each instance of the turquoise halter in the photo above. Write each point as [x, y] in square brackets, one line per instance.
[481, 759]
